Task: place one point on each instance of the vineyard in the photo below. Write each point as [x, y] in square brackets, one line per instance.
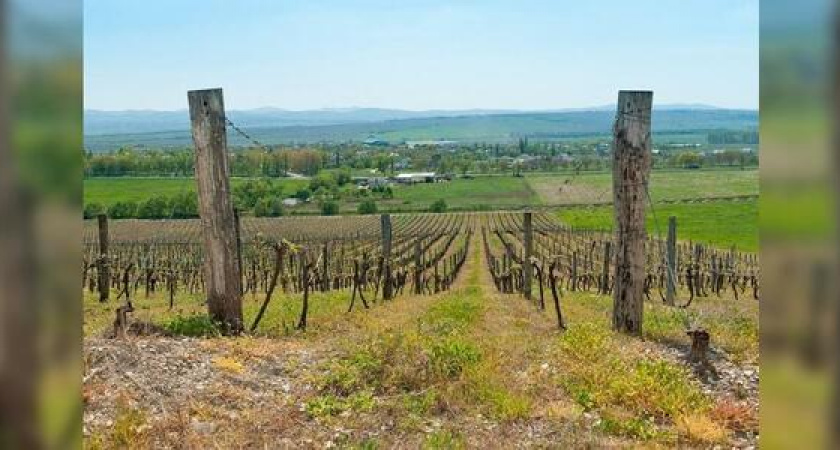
[438, 318]
[423, 256]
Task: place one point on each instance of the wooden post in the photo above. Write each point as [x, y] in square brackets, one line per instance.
[385, 223]
[528, 241]
[238, 229]
[631, 168]
[418, 270]
[325, 259]
[671, 262]
[605, 275]
[207, 117]
[103, 265]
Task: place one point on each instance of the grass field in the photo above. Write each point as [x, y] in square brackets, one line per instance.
[722, 223]
[460, 193]
[107, 191]
[664, 185]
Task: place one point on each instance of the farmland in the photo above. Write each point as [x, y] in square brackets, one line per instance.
[456, 357]
[479, 193]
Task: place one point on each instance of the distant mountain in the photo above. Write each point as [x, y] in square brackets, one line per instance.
[356, 125]
[146, 121]
[99, 122]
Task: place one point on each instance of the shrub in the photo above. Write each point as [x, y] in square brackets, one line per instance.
[184, 206]
[367, 207]
[154, 208]
[123, 210]
[196, 326]
[92, 210]
[303, 194]
[438, 206]
[329, 208]
[268, 207]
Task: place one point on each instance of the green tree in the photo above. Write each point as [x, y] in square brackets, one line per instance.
[269, 207]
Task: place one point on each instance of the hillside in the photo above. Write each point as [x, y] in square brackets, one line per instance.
[165, 130]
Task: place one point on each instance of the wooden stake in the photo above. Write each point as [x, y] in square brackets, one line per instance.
[207, 117]
[671, 262]
[631, 168]
[104, 266]
[387, 289]
[528, 241]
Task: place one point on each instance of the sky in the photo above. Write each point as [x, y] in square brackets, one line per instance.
[419, 54]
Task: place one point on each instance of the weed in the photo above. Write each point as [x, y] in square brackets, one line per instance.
[444, 440]
[331, 405]
[228, 364]
[448, 358]
[632, 427]
[700, 428]
[420, 403]
[196, 326]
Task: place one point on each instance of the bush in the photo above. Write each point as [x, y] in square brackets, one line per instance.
[269, 207]
[438, 206]
[92, 210]
[367, 207]
[154, 208]
[303, 194]
[196, 326]
[329, 208]
[184, 206]
[123, 210]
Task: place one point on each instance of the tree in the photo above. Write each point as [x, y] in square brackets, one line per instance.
[269, 207]
[689, 159]
[329, 208]
[438, 206]
[303, 194]
[367, 207]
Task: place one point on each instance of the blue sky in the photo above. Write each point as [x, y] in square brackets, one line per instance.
[419, 54]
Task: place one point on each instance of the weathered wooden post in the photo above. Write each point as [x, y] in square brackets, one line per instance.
[671, 262]
[103, 262]
[385, 224]
[631, 168]
[221, 265]
[325, 258]
[528, 242]
[418, 269]
[238, 228]
[605, 275]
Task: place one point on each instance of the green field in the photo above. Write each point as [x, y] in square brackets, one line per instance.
[477, 193]
[664, 185]
[107, 191]
[721, 223]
